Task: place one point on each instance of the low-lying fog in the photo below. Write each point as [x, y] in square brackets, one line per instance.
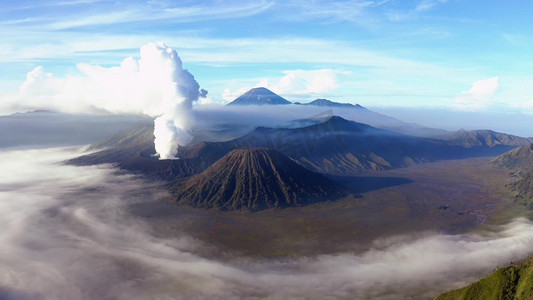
[67, 234]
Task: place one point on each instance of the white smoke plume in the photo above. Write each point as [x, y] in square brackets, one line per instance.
[179, 89]
[155, 85]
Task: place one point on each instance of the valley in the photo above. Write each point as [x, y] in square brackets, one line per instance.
[443, 197]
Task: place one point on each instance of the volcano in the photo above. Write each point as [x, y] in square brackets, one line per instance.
[255, 179]
[259, 96]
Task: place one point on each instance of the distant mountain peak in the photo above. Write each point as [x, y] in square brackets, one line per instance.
[261, 90]
[482, 138]
[259, 96]
[338, 119]
[329, 103]
[339, 123]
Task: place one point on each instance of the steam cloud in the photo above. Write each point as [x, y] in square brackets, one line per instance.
[155, 85]
[67, 234]
[179, 89]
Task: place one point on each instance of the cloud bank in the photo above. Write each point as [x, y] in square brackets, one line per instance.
[67, 234]
[296, 83]
[480, 95]
[154, 85]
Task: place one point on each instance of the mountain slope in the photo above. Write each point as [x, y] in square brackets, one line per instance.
[133, 150]
[259, 96]
[329, 103]
[518, 159]
[254, 179]
[513, 282]
[341, 147]
[484, 138]
[521, 161]
[335, 146]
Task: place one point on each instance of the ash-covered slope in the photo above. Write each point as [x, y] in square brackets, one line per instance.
[254, 179]
[259, 96]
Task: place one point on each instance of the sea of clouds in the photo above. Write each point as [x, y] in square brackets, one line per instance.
[67, 233]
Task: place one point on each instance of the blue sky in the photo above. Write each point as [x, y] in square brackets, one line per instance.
[467, 55]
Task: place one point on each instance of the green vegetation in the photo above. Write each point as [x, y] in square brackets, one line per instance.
[512, 282]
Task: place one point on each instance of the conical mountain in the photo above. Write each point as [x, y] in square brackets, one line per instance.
[259, 96]
[255, 179]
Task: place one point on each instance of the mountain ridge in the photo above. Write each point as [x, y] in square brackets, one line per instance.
[336, 146]
[328, 103]
[489, 138]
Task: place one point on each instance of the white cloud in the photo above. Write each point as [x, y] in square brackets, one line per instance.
[351, 10]
[142, 12]
[422, 7]
[480, 95]
[426, 5]
[228, 95]
[296, 82]
[133, 87]
[308, 82]
[207, 100]
[155, 85]
[208, 51]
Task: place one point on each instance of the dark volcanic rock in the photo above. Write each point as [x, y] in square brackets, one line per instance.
[254, 179]
[259, 96]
